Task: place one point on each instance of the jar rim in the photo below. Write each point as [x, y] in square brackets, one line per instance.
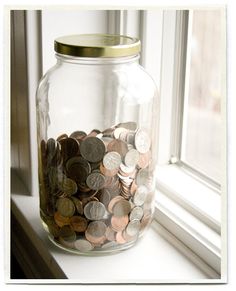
[97, 45]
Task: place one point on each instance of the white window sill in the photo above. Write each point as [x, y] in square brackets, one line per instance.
[192, 212]
[158, 258]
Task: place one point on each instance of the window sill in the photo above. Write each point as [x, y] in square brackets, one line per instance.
[162, 254]
[159, 257]
[191, 211]
[152, 253]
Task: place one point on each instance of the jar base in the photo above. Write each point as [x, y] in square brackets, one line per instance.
[101, 252]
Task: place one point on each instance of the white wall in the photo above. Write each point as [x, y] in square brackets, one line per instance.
[56, 23]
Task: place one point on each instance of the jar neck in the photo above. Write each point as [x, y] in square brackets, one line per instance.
[96, 61]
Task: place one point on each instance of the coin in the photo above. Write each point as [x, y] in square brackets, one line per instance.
[118, 131]
[83, 245]
[108, 132]
[142, 141]
[94, 132]
[62, 136]
[119, 223]
[92, 149]
[109, 245]
[67, 244]
[133, 188]
[144, 159]
[112, 160]
[110, 234]
[129, 238]
[118, 146]
[68, 186]
[130, 138]
[140, 195]
[146, 220]
[119, 238]
[67, 233]
[113, 202]
[106, 172]
[105, 197]
[51, 148]
[128, 125]
[78, 223]
[78, 205]
[133, 227]
[78, 169]
[61, 220]
[136, 213]
[121, 208]
[65, 207]
[97, 185]
[131, 158]
[79, 135]
[94, 210]
[96, 229]
[96, 241]
[53, 228]
[95, 181]
[143, 177]
[69, 147]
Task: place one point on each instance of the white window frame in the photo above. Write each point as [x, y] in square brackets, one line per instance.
[176, 211]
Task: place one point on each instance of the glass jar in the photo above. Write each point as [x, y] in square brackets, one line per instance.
[96, 129]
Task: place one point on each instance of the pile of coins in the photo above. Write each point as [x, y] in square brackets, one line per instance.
[96, 189]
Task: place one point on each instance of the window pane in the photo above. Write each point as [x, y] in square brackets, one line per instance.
[201, 144]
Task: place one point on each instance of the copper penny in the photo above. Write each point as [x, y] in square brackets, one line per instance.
[113, 202]
[60, 219]
[118, 146]
[78, 223]
[119, 238]
[119, 223]
[144, 160]
[110, 234]
[79, 135]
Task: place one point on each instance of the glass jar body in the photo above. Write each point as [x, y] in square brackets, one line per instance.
[97, 125]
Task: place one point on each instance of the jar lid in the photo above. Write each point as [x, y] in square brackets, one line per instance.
[97, 45]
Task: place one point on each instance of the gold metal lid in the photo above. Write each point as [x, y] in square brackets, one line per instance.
[97, 45]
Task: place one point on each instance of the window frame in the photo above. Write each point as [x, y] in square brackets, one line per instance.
[166, 62]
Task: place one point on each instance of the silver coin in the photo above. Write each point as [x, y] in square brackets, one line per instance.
[94, 210]
[126, 169]
[133, 227]
[96, 229]
[83, 245]
[95, 181]
[142, 141]
[131, 158]
[112, 160]
[121, 208]
[118, 131]
[140, 195]
[136, 213]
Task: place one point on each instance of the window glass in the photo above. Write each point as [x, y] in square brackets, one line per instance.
[201, 144]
